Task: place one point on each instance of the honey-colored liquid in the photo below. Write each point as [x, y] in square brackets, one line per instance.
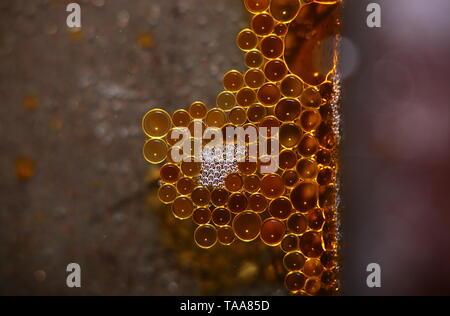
[219, 197]
[205, 236]
[290, 135]
[297, 223]
[288, 159]
[258, 203]
[201, 196]
[263, 24]
[294, 261]
[226, 100]
[247, 40]
[167, 193]
[310, 120]
[269, 94]
[290, 49]
[170, 173]
[233, 81]
[226, 235]
[309, 145]
[290, 178]
[284, 10]
[155, 151]
[234, 182]
[157, 123]
[185, 186]
[291, 87]
[272, 186]
[201, 216]
[215, 118]
[290, 243]
[247, 226]
[254, 78]
[288, 110]
[272, 47]
[254, 59]
[272, 232]
[255, 6]
[183, 207]
[237, 203]
[275, 70]
[280, 208]
[221, 217]
[237, 116]
[256, 113]
[181, 118]
[198, 110]
[246, 97]
[252, 183]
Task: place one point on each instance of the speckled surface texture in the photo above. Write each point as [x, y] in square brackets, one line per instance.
[71, 105]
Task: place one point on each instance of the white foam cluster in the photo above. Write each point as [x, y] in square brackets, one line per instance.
[336, 97]
[218, 162]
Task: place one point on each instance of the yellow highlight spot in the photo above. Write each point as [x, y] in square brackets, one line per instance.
[30, 102]
[25, 168]
[146, 40]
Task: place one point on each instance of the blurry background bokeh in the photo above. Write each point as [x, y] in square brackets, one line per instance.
[396, 150]
[75, 188]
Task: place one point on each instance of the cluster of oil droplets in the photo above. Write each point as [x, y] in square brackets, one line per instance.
[294, 208]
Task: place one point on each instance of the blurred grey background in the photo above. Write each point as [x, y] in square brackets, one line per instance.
[75, 188]
[396, 151]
